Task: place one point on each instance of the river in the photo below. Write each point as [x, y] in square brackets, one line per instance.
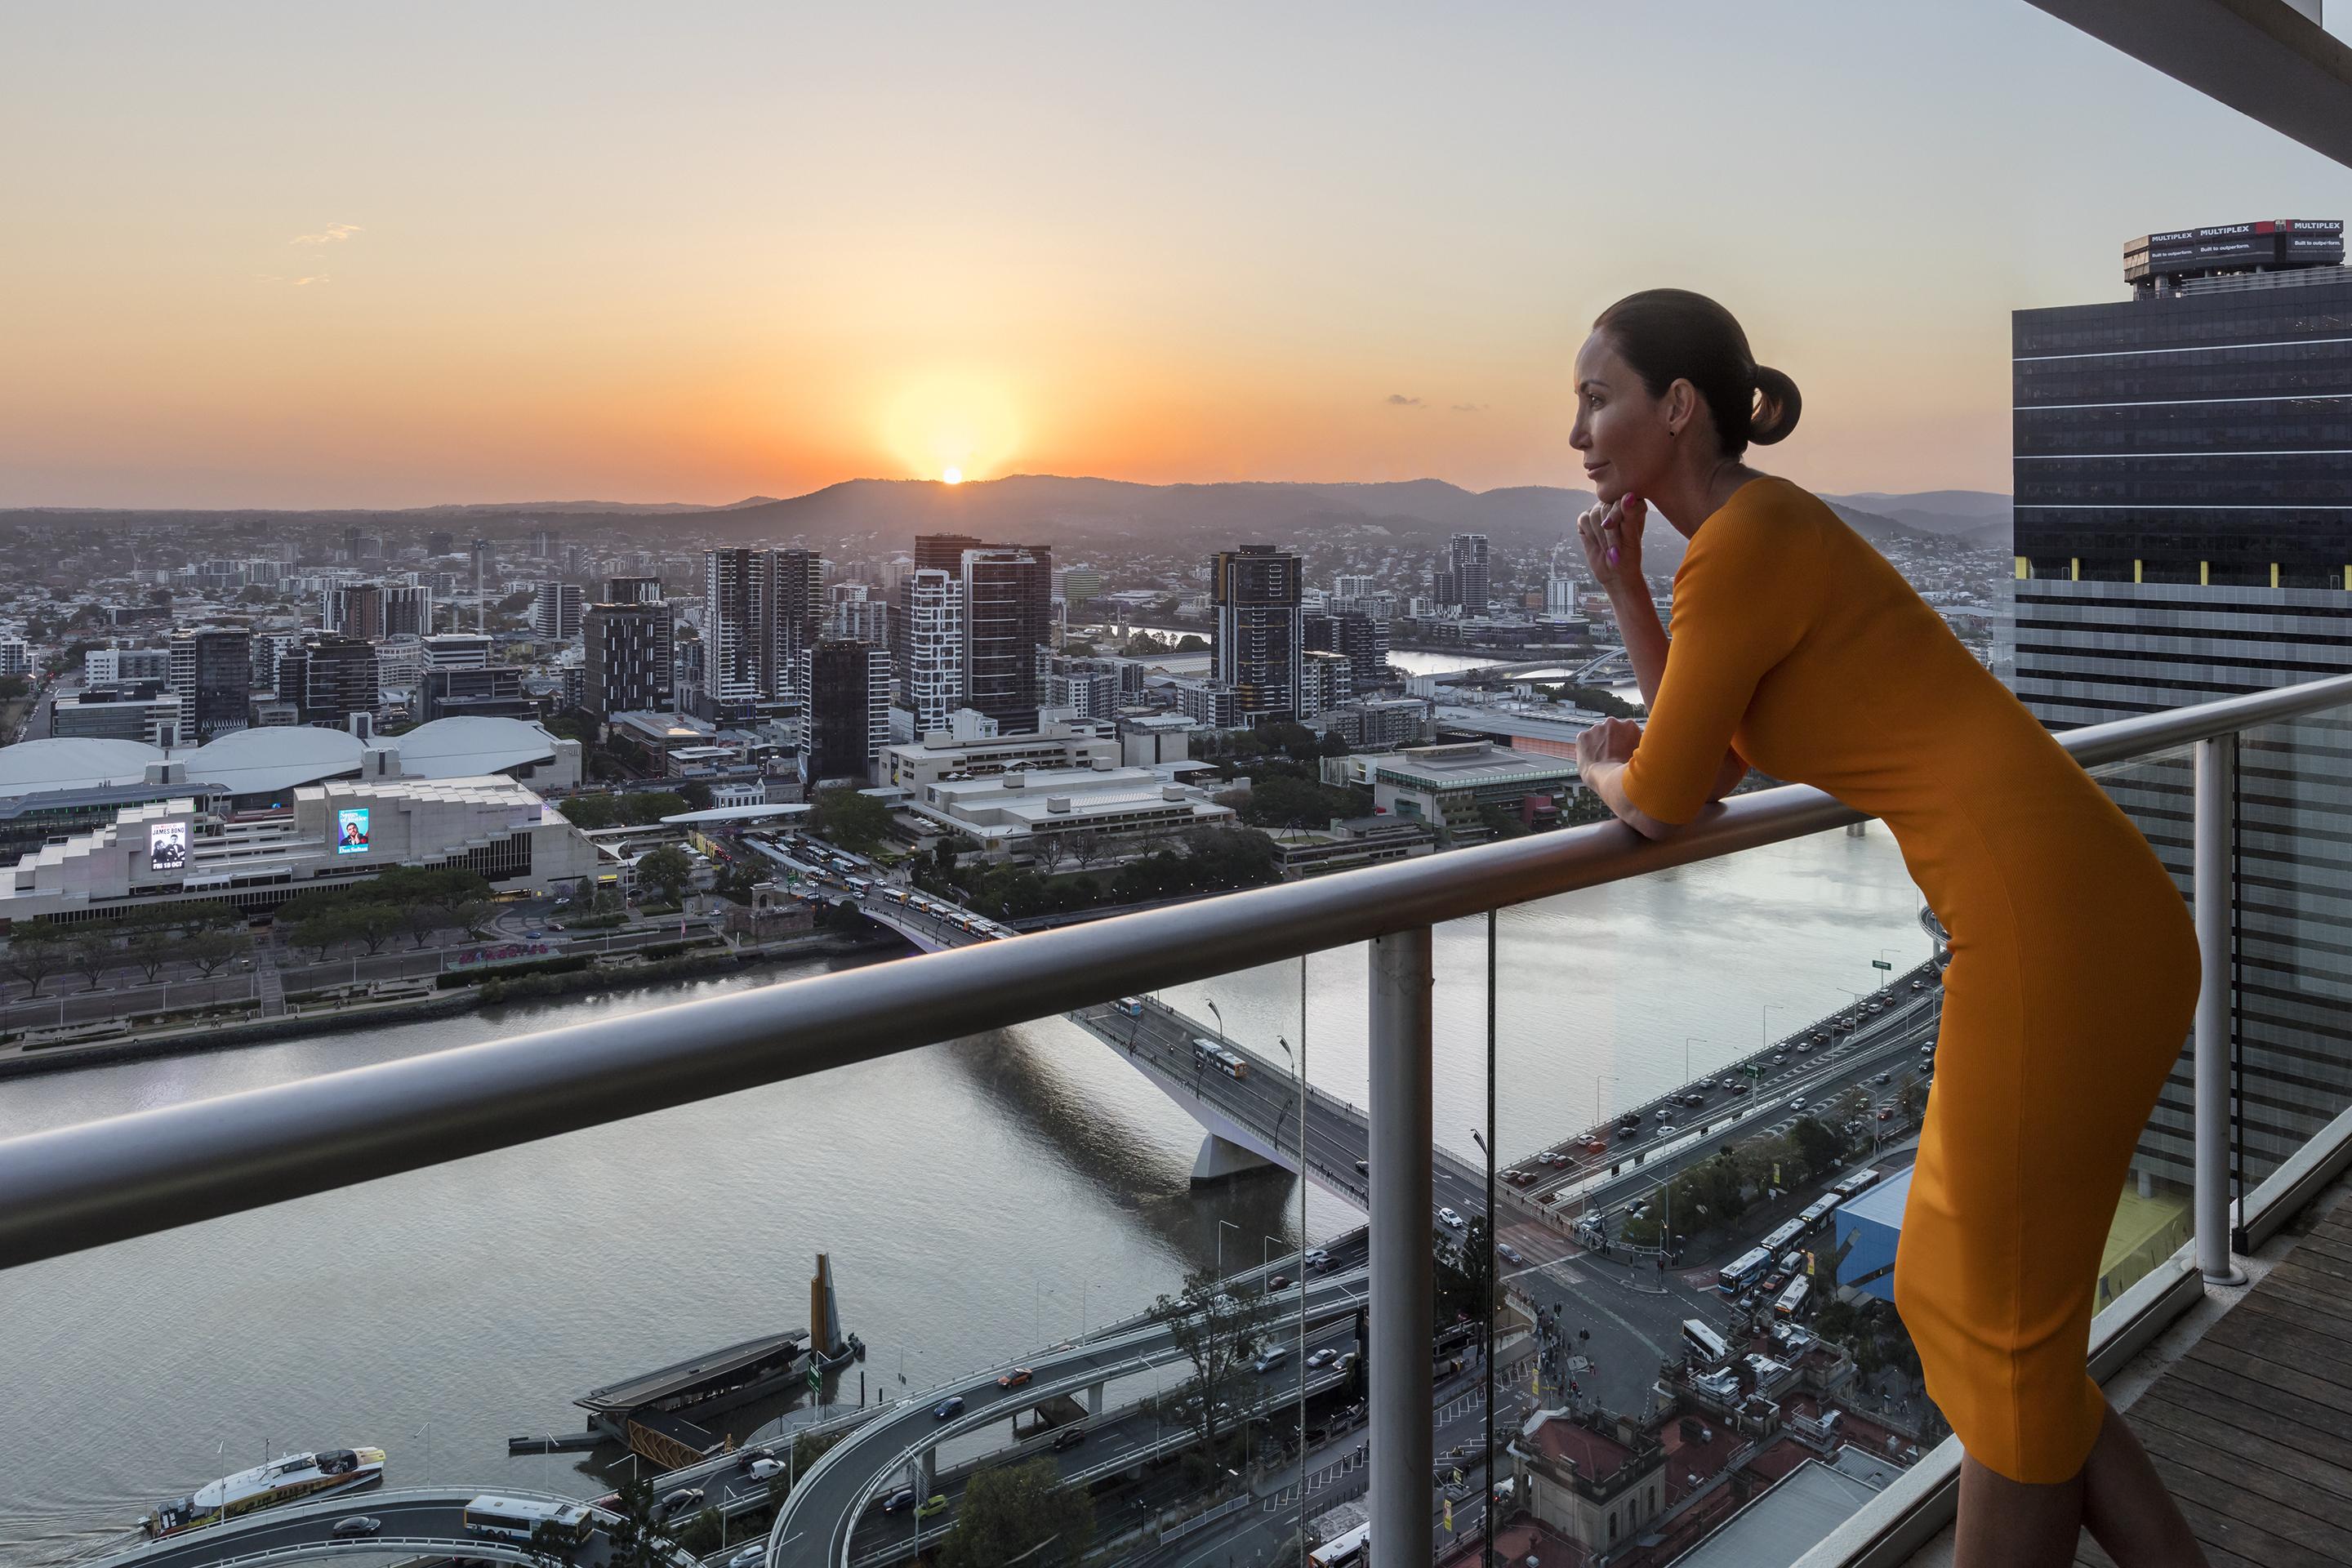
[439, 1313]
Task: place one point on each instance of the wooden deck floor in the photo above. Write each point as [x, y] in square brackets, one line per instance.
[2253, 1428]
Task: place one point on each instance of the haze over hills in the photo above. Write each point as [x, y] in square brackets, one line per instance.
[1074, 513]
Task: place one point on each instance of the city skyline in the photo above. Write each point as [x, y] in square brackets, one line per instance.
[690, 260]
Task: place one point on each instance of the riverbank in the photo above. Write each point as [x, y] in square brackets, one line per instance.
[26, 1060]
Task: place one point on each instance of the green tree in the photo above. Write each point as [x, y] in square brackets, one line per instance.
[148, 951]
[856, 822]
[668, 869]
[13, 686]
[651, 805]
[1191, 642]
[588, 811]
[1020, 1513]
[35, 951]
[1217, 1332]
[474, 917]
[1821, 1148]
[92, 954]
[319, 933]
[213, 951]
[638, 1538]
[423, 921]
[374, 924]
[696, 793]
[1282, 802]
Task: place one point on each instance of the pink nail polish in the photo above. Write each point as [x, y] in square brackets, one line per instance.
[1613, 555]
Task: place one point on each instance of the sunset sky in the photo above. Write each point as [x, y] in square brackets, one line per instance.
[305, 255]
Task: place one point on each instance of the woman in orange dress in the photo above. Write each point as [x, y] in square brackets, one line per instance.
[2073, 968]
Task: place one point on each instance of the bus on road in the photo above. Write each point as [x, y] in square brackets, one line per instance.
[1780, 1238]
[527, 1520]
[1743, 1271]
[1703, 1344]
[1792, 1299]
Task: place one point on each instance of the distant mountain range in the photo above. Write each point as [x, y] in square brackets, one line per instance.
[1074, 514]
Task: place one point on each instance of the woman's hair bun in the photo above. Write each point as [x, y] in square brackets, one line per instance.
[1777, 403]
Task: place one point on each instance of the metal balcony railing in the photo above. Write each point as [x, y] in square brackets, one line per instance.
[79, 1187]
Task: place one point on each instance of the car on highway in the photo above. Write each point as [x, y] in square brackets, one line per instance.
[1691, 1097]
[1886, 1113]
[1452, 1217]
[1519, 1178]
[935, 1503]
[899, 1500]
[1279, 1282]
[1665, 1113]
[1670, 1130]
[1316, 1361]
[1363, 1167]
[751, 1556]
[1883, 1077]
[1508, 1253]
[533, 932]
[1804, 1047]
[748, 1457]
[355, 1527]
[674, 1503]
[1918, 986]
[1273, 1356]
[1316, 1255]
[946, 1407]
[1779, 1057]
[1016, 1377]
[1068, 1437]
[761, 1469]
[1734, 1087]
[1797, 1102]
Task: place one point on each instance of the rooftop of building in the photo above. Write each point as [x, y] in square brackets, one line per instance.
[275, 757]
[1570, 1440]
[1469, 763]
[1811, 1499]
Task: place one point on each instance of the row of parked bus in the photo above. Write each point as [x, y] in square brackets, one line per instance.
[1760, 1263]
[947, 914]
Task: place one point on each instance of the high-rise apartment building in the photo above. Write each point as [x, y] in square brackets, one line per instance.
[796, 606]
[1361, 636]
[848, 709]
[929, 631]
[1008, 615]
[545, 542]
[1473, 589]
[212, 675]
[1260, 637]
[2183, 477]
[555, 613]
[354, 609]
[407, 610]
[734, 622]
[627, 649]
[631, 590]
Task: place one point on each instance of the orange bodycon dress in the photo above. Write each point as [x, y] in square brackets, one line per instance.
[2074, 970]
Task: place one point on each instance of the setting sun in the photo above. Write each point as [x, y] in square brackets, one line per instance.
[952, 477]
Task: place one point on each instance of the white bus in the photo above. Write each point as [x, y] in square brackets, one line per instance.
[1347, 1547]
[524, 1520]
[1847, 1189]
[1780, 1239]
[1743, 1271]
[1702, 1343]
[1793, 1299]
[1816, 1213]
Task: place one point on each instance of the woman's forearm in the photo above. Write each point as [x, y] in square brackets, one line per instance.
[1607, 780]
[1645, 637]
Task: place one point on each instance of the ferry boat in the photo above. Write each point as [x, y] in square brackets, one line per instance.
[290, 1478]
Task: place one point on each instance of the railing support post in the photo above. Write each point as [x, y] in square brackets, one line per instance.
[2215, 763]
[1398, 1359]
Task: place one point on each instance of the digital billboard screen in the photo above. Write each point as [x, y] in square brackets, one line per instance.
[352, 831]
[167, 847]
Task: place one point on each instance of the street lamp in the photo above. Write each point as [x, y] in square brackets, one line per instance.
[1686, 1067]
[1857, 996]
[1301, 1098]
[1221, 1020]
[1764, 1024]
[1222, 1227]
[1486, 1353]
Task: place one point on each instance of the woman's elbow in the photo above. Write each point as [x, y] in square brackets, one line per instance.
[1649, 828]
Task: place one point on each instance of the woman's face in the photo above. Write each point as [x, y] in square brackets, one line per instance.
[1622, 431]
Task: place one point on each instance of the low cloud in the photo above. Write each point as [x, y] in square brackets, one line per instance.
[1399, 399]
[334, 233]
[292, 282]
[1469, 408]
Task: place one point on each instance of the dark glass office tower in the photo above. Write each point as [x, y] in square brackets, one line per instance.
[2183, 472]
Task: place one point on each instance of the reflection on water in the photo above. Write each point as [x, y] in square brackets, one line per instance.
[977, 1197]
